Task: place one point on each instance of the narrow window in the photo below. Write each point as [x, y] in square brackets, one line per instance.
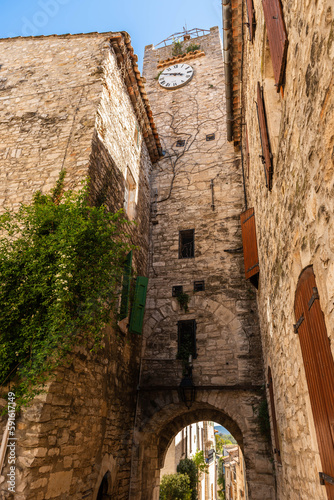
[319, 368]
[137, 136]
[251, 258]
[125, 297]
[177, 290]
[180, 143]
[210, 137]
[186, 339]
[186, 244]
[199, 286]
[277, 451]
[130, 195]
[265, 144]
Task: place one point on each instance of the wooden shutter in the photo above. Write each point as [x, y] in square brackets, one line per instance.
[249, 244]
[277, 36]
[251, 18]
[277, 450]
[124, 309]
[138, 307]
[319, 367]
[266, 153]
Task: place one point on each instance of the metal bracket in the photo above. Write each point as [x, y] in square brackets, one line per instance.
[326, 478]
[248, 218]
[297, 325]
[234, 250]
[315, 296]
[251, 268]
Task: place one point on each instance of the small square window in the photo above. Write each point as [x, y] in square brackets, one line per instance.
[186, 339]
[210, 137]
[177, 290]
[199, 286]
[186, 244]
[180, 143]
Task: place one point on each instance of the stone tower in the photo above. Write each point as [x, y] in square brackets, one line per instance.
[198, 301]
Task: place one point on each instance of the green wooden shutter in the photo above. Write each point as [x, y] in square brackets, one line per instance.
[138, 307]
[124, 309]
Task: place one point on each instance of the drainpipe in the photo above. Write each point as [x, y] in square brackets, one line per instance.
[227, 37]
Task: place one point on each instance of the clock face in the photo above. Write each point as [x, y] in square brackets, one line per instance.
[176, 76]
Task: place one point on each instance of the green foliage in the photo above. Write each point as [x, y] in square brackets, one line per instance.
[262, 415]
[222, 439]
[177, 48]
[187, 466]
[183, 299]
[175, 487]
[200, 463]
[61, 264]
[221, 480]
[192, 47]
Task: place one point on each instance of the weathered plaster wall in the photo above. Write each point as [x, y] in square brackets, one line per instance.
[227, 336]
[294, 221]
[65, 106]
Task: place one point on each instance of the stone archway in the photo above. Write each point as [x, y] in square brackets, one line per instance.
[161, 416]
[104, 489]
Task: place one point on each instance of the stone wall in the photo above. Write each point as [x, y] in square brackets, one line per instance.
[294, 222]
[197, 186]
[65, 105]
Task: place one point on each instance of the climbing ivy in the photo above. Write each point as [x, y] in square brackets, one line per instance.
[183, 299]
[61, 263]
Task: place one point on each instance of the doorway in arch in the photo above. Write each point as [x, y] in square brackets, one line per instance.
[104, 490]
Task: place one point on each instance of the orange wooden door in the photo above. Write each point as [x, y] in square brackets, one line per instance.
[319, 368]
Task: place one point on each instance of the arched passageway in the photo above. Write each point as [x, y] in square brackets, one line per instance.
[161, 416]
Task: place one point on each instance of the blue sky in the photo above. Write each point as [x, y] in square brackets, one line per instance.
[147, 21]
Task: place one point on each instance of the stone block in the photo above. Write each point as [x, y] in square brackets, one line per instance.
[59, 483]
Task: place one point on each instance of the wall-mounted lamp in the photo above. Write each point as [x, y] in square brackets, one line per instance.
[187, 388]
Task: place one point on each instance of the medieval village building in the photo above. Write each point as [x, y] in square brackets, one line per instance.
[223, 155]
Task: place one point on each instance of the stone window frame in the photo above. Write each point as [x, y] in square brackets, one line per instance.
[130, 194]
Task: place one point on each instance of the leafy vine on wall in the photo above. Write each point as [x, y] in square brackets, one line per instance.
[61, 263]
